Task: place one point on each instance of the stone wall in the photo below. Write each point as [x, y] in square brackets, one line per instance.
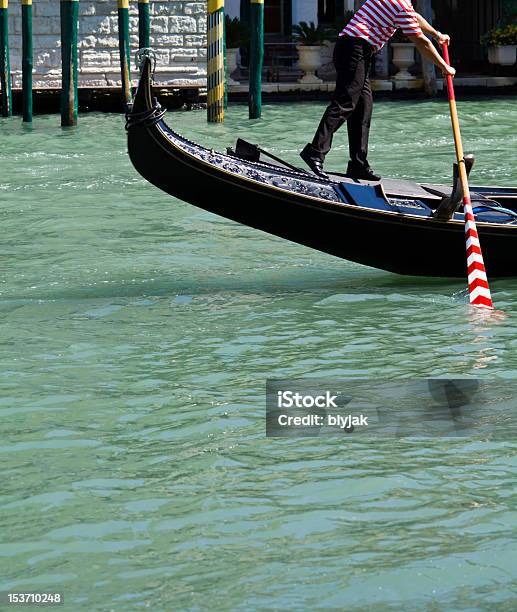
[178, 34]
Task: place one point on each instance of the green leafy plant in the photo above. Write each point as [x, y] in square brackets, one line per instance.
[236, 33]
[310, 35]
[499, 37]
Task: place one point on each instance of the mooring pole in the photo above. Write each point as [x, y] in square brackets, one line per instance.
[144, 24]
[215, 62]
[27, 59]
[428, 69]
[69, 18]
[5, 72]
[123, 43]
[256, 58]
[225, 66]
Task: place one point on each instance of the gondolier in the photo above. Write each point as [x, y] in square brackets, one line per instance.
[368, 31]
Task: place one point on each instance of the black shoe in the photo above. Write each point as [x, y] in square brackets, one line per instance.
[314, 163]
[363, 173]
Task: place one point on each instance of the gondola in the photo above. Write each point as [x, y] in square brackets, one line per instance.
[399, 226]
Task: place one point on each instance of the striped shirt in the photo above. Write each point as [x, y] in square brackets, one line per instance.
[377, 20]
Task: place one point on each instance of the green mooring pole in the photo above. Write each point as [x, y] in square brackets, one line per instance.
[5, 73]
[256, 58]
[144, 24]
[225, 67]
[27, 59]
[215, 62]
[123, 43]
[69, 18]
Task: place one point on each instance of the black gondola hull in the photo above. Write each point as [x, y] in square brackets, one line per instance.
[404, 244]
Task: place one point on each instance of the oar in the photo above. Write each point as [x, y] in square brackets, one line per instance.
[479, 291]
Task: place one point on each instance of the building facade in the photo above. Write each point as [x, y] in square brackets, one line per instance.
[178, 34]
[466, 20]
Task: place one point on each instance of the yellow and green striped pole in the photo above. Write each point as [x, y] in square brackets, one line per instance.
[256, 58]
[215, 62]
[225, 66]
[5, 72]
[144, 24]
[27, 59]
[69, 18]
[123, 42]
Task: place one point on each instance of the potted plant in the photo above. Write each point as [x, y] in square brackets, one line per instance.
[403, 56]
[236, 36]
[328, 70]
[501, 43]
[310, 39]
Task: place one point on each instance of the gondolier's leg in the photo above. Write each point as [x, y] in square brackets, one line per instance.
[352, 58]
[358, 126]
[350, 63]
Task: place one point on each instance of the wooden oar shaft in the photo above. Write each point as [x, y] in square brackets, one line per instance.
[456, 128]
[479, 291]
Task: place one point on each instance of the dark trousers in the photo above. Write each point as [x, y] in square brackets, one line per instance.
[352, 100]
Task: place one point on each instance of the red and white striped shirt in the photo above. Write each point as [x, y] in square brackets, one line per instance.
[377, 20]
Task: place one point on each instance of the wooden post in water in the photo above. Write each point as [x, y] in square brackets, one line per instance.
[27, 59]
[215, 62]
[256, 58]
[123, 41]
[144, 24]
[69, 18]
[5, 72]
[428, 70]
[225, 66]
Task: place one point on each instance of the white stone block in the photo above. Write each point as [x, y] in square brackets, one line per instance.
[182, 25]
[195, 40]
[201, 25]
[95, 25]
[46, 83]
[91, 81]
[94, 58]
[163, 57]
[159, 25]
[195, 8]
[106, 42]
[86, 42]
[167, 40]
[166, 8]
[87, 8]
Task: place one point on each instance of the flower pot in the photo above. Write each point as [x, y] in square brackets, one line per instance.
[403, 58]
[503, 55]
[309, 61]
[231, 65]
[327, 72]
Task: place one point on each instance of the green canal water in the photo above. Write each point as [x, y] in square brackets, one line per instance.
[137, 336]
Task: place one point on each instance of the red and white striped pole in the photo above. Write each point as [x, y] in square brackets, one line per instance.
[479, 291]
